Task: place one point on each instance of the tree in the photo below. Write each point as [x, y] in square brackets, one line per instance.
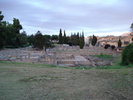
[2, 32]
[83, 38]
[31, 39]
[78, 39]
[22, 38]
[119, 43]
[16, 25]
[39, 40]
[60, 37]
[75, 39]
[82, 43]
[127, 55]
[131, 27]
[47, 37]
[55, 37]
[1, 16]
[10, 35]
[94, 40]
[112, 47]
[65, 38]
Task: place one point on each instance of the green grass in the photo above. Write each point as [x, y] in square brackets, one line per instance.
[103, 56]
[27, 81]
[116, 66]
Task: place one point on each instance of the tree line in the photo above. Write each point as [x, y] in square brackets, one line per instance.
[41, 41]
[74, 39]
[10, 36]
[10, 33]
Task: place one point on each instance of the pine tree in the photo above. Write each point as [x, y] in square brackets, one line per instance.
[60, 37]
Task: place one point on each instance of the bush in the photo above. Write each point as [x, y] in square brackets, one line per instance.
[112, 47]
[127, 55]
[106, 46]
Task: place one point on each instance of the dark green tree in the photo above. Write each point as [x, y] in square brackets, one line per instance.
[39, 40]
[127, 55]
[10, 35]
[74, 39]
[31, 39]
[23, 39]
[83, 38]
[1, 16]
[82, 42]
[47, 37]
[60, 37]
[2, 32]
[131, 27]
[65, 38]
[78, 39]
[17, 26]
[55, 37]
[119, 43]
[94, 40]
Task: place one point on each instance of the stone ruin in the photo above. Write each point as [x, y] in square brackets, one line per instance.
[52, 56]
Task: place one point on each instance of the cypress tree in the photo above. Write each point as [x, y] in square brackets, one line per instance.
[83, 38]
[94, 40]
[78, 40]
[119, 43]
[60, 37]
[82, 43]
[65, 38]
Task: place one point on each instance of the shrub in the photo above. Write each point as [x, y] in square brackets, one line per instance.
[106, 46]
[127, 55]
[112, 47]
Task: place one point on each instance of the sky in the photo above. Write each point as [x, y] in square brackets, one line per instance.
[98, 17]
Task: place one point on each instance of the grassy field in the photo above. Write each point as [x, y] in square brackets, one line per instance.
[19, 81]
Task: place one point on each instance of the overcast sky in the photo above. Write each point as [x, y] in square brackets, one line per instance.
[98, 17]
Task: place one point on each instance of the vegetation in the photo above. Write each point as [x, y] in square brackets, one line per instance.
[112, 47]
[54, 37]
[39, 40]
[65, 38]
[60, 37]
[104, 56]
[106, 46]
[131, 27]
[10, 35]
[127, 55]
[119, 43]
[39, 81]
[74, 39]
[82, 43]
[94, 40]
